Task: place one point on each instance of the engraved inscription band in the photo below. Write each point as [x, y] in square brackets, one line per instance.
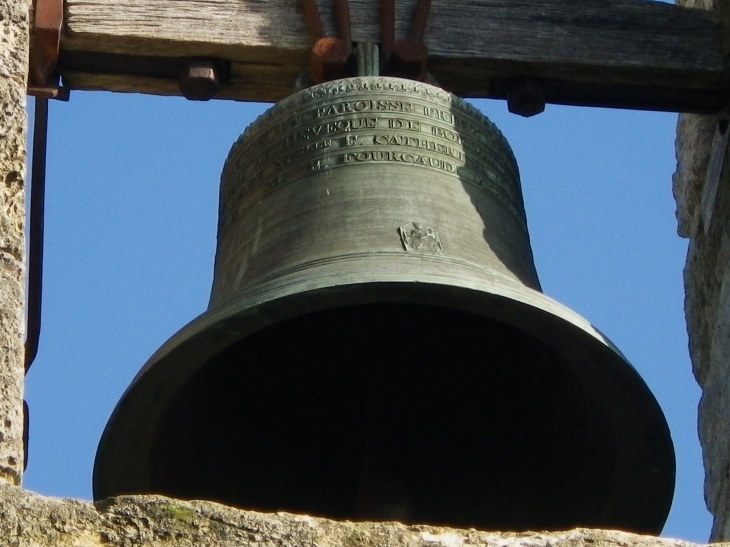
[347, 126]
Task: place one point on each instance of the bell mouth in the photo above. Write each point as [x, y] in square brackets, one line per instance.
[483, 405]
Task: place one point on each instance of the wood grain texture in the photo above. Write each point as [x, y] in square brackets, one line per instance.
[471, 42]
[246, 83]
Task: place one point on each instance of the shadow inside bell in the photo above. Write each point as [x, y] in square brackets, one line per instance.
[388, 412]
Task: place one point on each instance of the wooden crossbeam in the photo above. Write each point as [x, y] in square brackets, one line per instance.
[623, 53]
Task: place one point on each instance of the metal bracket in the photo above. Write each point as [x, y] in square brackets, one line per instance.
[330, 56]
[45, 44]
[404, 58]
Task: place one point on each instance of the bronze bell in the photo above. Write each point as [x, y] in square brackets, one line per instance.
[377, 345]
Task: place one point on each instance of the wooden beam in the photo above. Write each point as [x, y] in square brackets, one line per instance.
[626, 53]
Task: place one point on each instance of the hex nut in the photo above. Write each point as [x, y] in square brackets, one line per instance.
[199, 81]
[526, 97]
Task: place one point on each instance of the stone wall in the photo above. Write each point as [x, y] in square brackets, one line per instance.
[707, 309]
[13, 70]
[29, 520]
[707, 299]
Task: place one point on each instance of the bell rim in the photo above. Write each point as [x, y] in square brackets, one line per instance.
[501, 299]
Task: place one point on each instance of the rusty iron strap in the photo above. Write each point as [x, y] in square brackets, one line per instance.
[387, 29]
[408, 57]
[26, 433]
[330, 56]
[45, 44]
[36, 230]
[420, 20]
[342, 14]
[313, 19]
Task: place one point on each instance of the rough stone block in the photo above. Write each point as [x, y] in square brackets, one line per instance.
[707, 296]
[29, 520]
[693, 142]
[13, 71]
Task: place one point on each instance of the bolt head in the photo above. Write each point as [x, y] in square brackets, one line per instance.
[199, 81]
[526, 97]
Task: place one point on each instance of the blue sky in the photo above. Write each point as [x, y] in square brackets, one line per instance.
[132, 198]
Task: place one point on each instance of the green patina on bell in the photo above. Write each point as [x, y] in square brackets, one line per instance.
[377, 345]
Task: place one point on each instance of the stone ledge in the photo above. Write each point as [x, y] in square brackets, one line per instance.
[30, 520]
